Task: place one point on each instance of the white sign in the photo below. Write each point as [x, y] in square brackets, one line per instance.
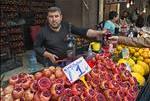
[76, 69]
[115, 1]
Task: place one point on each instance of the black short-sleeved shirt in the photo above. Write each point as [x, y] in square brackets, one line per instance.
[54, 42]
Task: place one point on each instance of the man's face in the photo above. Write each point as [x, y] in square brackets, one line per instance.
[54, 19]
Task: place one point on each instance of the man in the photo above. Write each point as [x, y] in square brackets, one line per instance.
[110, 24]
[50, 42]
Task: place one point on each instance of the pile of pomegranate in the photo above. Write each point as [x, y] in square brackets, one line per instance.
[107, 82]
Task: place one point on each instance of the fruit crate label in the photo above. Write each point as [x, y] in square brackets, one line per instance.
[125, 53]
[76, 69]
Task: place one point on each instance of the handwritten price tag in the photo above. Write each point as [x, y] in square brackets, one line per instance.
[76, 69]
[125, 53]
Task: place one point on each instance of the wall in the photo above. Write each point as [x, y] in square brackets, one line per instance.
[76, 12]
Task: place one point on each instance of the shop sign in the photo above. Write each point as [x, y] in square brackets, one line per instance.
[76, 69]
[115, 1]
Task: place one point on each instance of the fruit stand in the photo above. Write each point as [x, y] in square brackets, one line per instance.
[105, 80]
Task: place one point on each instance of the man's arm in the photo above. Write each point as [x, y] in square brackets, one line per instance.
[86, 32]
[38, 44]
[136, 42]
[95, 33]
[40, 49]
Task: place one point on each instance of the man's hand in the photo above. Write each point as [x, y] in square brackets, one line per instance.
[51, 57]
[95, 33]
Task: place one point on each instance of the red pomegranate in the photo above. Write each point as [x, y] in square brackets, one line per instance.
[116, 70]
[117, 98]
[56, 90]
[7, 97]
[34, 86]
[133, 81]
[109, 94]
[13, 80]
[75, 98]
[117, 77]
[36, 96]
[125, 75]
[59, 73]
[121, 94]
[9, 89]
[31, 77]
[67, 83]
[104, 85]
[52, 77]
[68, 92]
[17, 92]
[63, 98]
[26, 83]
[99, 97]
[59, 80]
[88, 98]
[77, 88]
[19, 82]
[38, 75]
[113, 85]
[128, 98]
[45, 96]
[126, 84]
[44, 83]
[22, 75]
[90, 92]
[52, 69]
[95, 82]
[46, 72]
[132, 92]
[108, 76]
[88, 77]
[28, 95]
[95, 72]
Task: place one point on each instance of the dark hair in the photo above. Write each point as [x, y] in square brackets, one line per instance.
[54, 9]
[123, 16]
[112, 14]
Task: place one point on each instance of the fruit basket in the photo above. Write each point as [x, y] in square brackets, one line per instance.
[107, 81]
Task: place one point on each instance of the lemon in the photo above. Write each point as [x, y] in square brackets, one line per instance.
[134, 58]
[147, 61]
[136, 49]
[122, 61]
[145, 66]
[119, 48]
[132, 50]
[140, 51]
[136, 54]
[148, 54]
[130, 62]
[138, 69]
[140, 58]
[145, 55]
[140, 79]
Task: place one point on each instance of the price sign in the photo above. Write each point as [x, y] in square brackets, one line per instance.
[125, 53]
[76, 69]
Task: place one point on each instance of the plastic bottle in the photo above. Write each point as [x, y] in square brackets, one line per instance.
[32, 66]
